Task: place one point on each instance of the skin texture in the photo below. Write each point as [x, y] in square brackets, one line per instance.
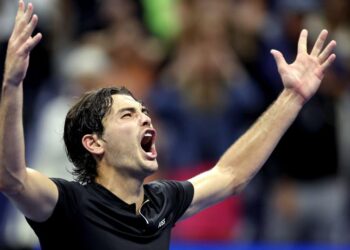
[118, 152]
[122, 164]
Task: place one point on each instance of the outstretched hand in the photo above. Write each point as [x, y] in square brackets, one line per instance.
[305, 74]
[21, 44]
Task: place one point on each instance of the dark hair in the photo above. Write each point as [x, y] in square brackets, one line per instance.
[85, 117]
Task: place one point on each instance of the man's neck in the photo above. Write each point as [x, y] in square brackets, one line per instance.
[126, 188]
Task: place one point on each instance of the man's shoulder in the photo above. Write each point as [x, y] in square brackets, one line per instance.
[64, 185]
[163, 186]
[61, 181]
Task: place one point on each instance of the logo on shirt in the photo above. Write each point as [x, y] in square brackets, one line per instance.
[161, 223]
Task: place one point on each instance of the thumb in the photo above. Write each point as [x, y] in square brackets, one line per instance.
[280, 61]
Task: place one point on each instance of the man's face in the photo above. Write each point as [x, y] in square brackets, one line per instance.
[129, 138]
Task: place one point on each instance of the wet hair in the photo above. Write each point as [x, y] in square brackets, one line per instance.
[85, 117]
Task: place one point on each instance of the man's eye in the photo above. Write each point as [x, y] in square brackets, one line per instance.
[146, 112]
[126, 115]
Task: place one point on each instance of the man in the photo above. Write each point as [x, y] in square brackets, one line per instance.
[110, 139]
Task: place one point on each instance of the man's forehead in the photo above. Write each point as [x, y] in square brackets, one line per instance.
[122, 101]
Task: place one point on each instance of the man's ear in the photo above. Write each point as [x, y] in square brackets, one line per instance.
[93, 144]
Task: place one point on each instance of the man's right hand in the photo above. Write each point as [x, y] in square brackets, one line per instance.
[21, 44]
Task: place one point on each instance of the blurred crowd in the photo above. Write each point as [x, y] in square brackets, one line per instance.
[204, 69]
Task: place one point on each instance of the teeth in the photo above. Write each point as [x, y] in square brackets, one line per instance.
[147, 138]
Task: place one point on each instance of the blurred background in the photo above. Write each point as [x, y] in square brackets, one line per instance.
[204, 69]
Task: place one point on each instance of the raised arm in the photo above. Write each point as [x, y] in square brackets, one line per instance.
[33, 193]
[243, 159]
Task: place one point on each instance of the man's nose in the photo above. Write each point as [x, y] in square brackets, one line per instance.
[145, 120]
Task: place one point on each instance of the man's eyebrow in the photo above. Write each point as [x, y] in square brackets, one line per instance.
[131, 109]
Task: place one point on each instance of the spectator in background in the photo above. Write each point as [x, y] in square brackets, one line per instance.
[335, 16]
[203, 86]
[307, 198]
[135, 56]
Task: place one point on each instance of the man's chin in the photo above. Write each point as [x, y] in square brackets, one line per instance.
[150, 167]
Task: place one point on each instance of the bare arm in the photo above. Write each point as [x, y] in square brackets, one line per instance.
[243, 159]
[33, 193]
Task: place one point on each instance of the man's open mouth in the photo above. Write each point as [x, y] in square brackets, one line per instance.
[148, 142]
